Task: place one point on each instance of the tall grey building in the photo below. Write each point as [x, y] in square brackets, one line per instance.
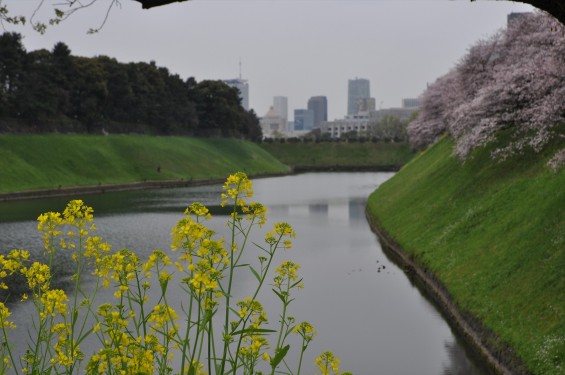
[319, 105]
[243, 87]
[357, 88]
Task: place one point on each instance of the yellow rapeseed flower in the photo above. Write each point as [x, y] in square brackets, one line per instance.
[38, 276]
[4, 315]
[328, 363]
[54, 302]
[237, 187]
[78, 214]
[306, 330]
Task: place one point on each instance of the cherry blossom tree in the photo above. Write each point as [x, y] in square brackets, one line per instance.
[431, 122]
[515, 80]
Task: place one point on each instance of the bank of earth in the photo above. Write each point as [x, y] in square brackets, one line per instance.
[56, 164]
[487, 241]
[341, 156]
[32, 165]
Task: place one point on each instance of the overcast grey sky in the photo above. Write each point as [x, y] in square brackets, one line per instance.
[293, 48]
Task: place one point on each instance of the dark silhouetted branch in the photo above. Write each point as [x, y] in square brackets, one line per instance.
[148, 4]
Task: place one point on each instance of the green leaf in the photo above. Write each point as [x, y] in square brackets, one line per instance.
[253, 330]
[296, 283]
[283, 298]
[279, 356]
[205, 319]
[255, 273]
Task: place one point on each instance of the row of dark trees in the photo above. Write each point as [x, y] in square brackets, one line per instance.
[54, 91]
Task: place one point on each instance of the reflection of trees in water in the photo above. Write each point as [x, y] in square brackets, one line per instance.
[459, 363]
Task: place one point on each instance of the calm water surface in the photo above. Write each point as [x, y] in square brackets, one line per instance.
[363, 306]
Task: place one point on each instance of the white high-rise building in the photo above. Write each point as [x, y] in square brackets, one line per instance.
[280, 105]
[243, 87]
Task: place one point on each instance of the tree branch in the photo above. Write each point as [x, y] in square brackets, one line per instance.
[148, 4]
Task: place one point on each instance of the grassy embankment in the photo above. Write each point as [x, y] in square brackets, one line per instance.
[340, 155]
[49, 161]
[494, 235]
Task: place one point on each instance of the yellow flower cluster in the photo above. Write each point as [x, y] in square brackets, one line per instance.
[54, 302]
[205, 258]
[255, 211]
[131, 359]
[123, 352]
[161, 316]
[38, 276]
[78, 214]
[252, 308]
[237, 187]
[187, 234]
[280, 231]
[66, 351]
[305, 330]
[199, 210]
[11, 264]
[50, 224]
[95, 248]
[328, 363]
[253, 350]
[286, 272]
[4, 315]
[121, 267]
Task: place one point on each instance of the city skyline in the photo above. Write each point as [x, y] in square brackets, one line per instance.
[400, 46]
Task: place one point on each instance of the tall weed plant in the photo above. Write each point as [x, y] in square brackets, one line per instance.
[211, 333]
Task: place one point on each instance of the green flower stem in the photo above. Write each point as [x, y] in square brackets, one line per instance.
[74, 312]
[198, 330]
[301, 355]
[230, 283]
[186, 340]
[11, 356]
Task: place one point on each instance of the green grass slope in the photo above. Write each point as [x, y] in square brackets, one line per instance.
[340, 154]
[49, 161]
[494, 235]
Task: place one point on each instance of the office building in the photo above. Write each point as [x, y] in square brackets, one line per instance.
[357, 88]
[403, 114]
[243, 87]
[280, 104]
[350, 125]
[303, 119]
[318, 105]
[410, 103]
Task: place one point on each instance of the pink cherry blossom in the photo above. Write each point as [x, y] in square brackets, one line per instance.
[513, 81]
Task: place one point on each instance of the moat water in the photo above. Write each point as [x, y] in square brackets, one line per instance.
[362, 305]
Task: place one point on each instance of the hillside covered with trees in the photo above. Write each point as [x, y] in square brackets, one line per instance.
[53, 91]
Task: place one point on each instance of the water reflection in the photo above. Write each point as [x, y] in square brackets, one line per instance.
[362, 305]
[459, 362]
